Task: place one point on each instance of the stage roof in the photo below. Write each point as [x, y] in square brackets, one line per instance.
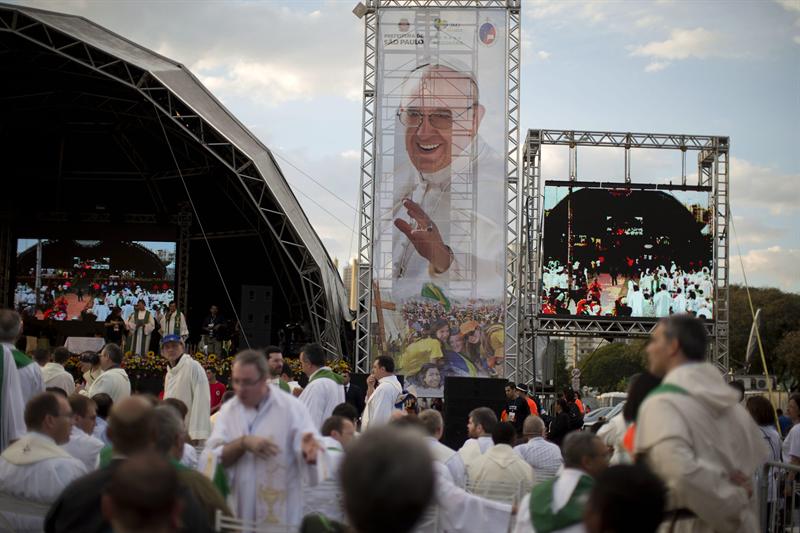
[91, 116]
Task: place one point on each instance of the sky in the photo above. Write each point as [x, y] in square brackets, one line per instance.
[292, 71]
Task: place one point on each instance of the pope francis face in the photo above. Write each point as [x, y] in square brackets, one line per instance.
[441, 115]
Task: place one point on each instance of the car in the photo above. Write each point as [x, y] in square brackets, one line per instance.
[602, 414]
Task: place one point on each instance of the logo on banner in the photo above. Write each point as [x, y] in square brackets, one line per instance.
[439, 24]
[488, 33]
[403, 25]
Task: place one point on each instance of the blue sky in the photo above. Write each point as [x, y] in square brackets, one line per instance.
[291, 71]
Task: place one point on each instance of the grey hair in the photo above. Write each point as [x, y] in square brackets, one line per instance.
[255, 358]
[10, 325]
[577, 445]
[533, 425]
[432, 419]
[168, 426]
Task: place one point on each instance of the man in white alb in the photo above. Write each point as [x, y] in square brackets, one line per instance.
[434, 424]
[31, 382]
[275, 364]
[54, 374]
[267, 444]
[480, 424]
[82, 445]
[114, 380]
[140, 325]
[383, 393]
[35, 468]
[187, 381]
[12, 425]
[173, 322]
[325, 389]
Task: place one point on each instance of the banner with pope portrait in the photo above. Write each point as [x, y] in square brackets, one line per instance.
[440, 232]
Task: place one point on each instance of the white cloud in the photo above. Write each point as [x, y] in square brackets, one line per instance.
[351, 154]
[543, 55]
[789, 5]
[764, 187]
[647, 21]
[656, 66]
[682, 44]
[772, 266]
[753, 230]
[796, 39]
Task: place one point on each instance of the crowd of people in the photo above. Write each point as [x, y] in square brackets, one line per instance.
[641, 292]
[683, 455]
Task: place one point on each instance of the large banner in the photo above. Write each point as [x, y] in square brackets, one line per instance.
[439, 236]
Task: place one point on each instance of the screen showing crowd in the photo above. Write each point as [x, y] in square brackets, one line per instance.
[639, 251]
[85, 279]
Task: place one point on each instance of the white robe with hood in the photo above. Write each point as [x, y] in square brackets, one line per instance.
[187, 381]
[113, 382]
[694, 442]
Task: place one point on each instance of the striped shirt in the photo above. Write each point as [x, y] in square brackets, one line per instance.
[545, 458]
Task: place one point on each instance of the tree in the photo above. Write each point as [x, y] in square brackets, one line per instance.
[613, 364]
[780, 315]
[561, 375]
[788, 352]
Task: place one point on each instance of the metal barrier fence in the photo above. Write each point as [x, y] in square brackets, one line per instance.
[779, 497]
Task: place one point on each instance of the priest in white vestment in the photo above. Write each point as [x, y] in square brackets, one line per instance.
[55, 375]
[30, 374]
[384, 392]
[35, 468]
[82, 445]
[140, 325]
[12, 407]
[562, 500]
[434, 424]
[500, 470]
[325, 389]
[173, 322]
[267, 444]
[696, 436]
[187, 381]
[114, 380]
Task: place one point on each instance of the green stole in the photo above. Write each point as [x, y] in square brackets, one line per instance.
[20, 359]
[284, 386]
[667, 388]
[543, 518]
[329, 374]
[139, 326]
[176, 329]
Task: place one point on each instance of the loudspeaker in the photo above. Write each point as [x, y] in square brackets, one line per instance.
[462, 395]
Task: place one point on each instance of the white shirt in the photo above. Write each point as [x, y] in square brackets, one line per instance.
[379, 407]
[462, 512]
[113, 382]
[83, 447]
[544, 457]
[791, 444]
[563, 488]
[320, 396]
[662, 301]
[12, 421]
[187, 381]
[189, 457]
[54, 375]
[449, 458]
[31, 382]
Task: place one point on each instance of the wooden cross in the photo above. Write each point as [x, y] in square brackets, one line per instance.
[379, 307]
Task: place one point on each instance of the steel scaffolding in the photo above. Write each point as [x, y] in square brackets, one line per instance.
[712, 160]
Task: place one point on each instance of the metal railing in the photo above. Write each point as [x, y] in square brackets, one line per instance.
[778, 486]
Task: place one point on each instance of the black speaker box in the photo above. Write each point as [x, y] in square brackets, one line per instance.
[462, 395]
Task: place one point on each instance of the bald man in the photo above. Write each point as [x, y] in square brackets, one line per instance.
[543, 456]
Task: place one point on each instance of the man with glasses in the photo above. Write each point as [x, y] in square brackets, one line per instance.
[266, 443]
[439, 116]
[186, 380]
[36, 468]
[82, 445]
[114, 380]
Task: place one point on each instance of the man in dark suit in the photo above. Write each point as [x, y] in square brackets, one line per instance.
[353, 394]
[131, 428]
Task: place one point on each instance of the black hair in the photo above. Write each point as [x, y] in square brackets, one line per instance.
[504, 433]
[627, 499]
[314, 354]
[386, 362]
[638, 389]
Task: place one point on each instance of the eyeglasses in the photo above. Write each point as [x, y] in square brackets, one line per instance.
[441, 119]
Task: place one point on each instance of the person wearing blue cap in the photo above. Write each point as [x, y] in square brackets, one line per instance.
[187, 381]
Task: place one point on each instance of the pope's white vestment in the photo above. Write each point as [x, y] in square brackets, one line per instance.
[84, 447]
[12, 406]
[379, 406]
[187, 381]
[36, 469]
[267, 491]
[321, 395]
